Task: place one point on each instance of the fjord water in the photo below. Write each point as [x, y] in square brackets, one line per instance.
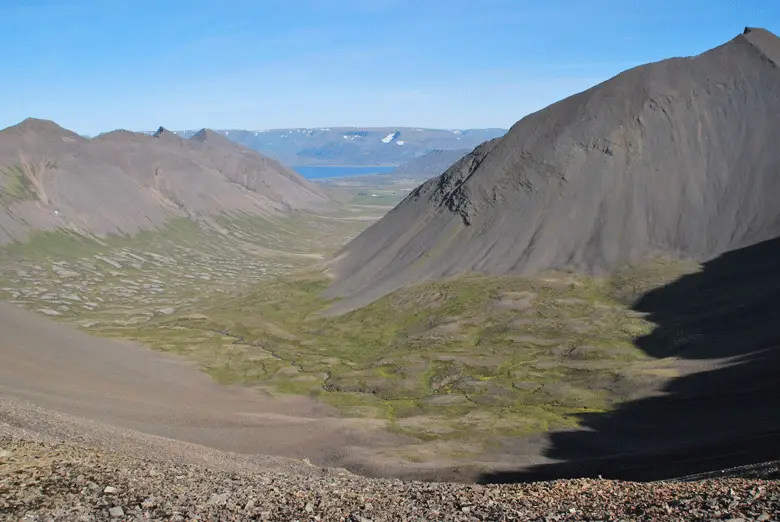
[317, 172]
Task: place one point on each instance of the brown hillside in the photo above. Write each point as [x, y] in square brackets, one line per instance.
[122, 182]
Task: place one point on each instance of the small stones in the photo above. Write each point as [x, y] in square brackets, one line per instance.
[116, 512]
[109, 490]
[218, 499]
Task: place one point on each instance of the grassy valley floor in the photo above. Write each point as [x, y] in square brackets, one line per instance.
[464, 367]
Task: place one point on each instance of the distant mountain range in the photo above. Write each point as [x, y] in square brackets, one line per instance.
[353, 146]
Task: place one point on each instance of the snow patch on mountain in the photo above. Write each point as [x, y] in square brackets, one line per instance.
[390, 137]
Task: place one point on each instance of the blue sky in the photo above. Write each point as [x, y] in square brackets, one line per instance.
[97, 65]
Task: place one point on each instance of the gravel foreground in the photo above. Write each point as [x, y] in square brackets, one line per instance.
[51, 481]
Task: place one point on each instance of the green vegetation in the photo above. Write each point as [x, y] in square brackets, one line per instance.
[471, 359]
[16, 186]
[120, 280]
[474, 357]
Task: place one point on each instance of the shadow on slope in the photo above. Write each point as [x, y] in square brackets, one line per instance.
[725, 415]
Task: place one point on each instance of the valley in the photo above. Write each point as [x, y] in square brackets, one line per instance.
[464, 368]
[294, 322]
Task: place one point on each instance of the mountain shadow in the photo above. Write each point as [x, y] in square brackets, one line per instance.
[727, 318]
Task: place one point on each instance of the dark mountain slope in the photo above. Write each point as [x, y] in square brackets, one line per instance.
[677, 156]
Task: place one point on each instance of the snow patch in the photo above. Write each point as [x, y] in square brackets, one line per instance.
[390, 137]
[400, 142]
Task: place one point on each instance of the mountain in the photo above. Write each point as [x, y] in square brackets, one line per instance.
[353, 146]
[123, 182]
[676, 157]
[429, 165]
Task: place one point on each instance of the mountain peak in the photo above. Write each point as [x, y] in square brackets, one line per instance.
[169, 136]
[765, 41]
[207, 135]
[41, 127]
[214, 138]
[161, 131]
[201, 136]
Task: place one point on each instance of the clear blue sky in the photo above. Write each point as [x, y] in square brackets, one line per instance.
[97, 65]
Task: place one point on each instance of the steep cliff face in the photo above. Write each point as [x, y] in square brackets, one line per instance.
[677, 156]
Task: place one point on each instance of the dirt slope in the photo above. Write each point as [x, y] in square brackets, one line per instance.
[256, 172]
[122, 182]
[676, 156]
[125, 386]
